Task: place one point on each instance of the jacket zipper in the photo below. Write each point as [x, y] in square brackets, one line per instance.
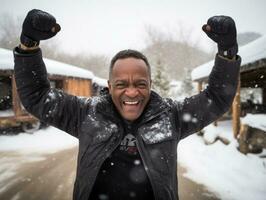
[139, 149]
[115, 146]
[146, 167]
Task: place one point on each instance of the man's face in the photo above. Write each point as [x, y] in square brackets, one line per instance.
[130, 87]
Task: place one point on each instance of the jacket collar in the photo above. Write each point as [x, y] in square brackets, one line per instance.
[154, 107]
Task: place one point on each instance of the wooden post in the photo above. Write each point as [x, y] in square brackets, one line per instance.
[236, 109]
[263, 96]
[15, 98]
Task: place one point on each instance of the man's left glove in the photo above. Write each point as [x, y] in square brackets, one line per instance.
[222, 30]
[38, 25]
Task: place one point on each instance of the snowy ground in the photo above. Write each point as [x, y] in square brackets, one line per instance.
[225, 171]
[31, 148]
[221, 168]
[46, 141]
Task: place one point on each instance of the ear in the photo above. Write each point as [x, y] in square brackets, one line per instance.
[109, 85]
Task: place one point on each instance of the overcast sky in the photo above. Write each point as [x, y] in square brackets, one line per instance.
[107, 26]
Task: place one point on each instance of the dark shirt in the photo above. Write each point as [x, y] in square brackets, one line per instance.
[122, 176]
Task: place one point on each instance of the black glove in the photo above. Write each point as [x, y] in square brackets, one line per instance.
[38, 25]
[222, 30]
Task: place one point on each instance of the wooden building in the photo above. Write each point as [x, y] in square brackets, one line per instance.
[252, 78]
[70, 79]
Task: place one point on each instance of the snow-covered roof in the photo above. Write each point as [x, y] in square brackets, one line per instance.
[53, 67]
[100, 81]
[249, 53]
[58, 68]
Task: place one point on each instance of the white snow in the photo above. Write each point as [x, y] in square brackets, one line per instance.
[222, 168]
[6, 59]
[43, 141]
[55, 67]
[255, 120]
[100, 81]
[249, 53]
[202, 71]
[175, 90]
[30, 148]
[7, 113]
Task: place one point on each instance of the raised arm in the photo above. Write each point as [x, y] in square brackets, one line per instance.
[200, 110]
[49, 105]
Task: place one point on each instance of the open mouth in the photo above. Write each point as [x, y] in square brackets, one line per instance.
[131, 108]
[131, 103]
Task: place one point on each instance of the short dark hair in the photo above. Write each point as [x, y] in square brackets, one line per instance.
[129, 53]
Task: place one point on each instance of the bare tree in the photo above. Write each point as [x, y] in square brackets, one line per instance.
[10, 31]
[174, 54]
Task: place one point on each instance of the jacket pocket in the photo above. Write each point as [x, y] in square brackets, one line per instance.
[158, 131]
[107, 130]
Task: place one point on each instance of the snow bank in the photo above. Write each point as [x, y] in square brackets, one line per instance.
[43, 141]
[255, 120]
[7, 113]
[223, 169]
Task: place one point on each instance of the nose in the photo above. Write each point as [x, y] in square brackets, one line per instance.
[131, 92]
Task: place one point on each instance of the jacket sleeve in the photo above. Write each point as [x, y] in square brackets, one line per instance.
[50, 105]
[198, 111]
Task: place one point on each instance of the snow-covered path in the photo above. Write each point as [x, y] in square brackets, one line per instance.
[42, 166]
[52, 177]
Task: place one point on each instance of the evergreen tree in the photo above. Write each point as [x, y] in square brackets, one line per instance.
[187, 87]
[160, 81]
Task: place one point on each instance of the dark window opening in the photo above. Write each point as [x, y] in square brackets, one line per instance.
[5, 93]
[252, 101]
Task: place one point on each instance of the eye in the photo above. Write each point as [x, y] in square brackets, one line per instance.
[142, 85]
[120, 85]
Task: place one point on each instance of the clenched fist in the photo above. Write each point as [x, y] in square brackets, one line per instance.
[222, 30]
[38, 25]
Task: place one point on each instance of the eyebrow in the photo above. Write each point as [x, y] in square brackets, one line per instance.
[124, 80]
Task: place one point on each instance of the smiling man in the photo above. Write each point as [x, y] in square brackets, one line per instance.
[128, 136]
[130, 83]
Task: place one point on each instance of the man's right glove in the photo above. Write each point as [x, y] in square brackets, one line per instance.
[38, 25]
[222, 30]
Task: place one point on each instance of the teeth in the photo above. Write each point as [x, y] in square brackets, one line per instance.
[131, 102]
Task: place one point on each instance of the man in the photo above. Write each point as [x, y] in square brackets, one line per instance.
[127, 137]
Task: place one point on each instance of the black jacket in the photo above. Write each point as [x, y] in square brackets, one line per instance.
[98, 126]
